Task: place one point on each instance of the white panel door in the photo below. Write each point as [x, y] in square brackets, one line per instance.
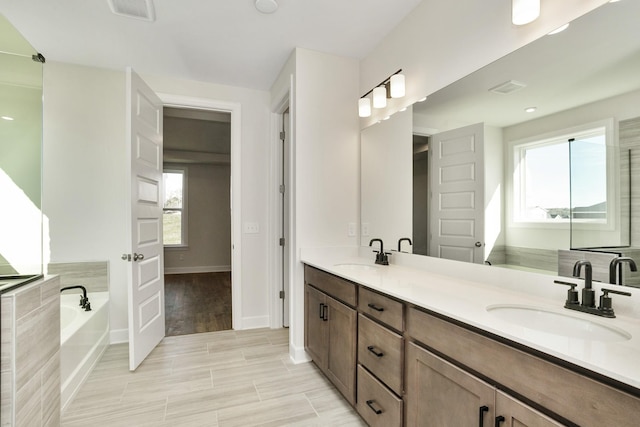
[457, 215]
[146, 278]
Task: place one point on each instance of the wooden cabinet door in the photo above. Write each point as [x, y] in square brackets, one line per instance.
[513, 413]
[439, 394]
[341, 354]
[315, 326]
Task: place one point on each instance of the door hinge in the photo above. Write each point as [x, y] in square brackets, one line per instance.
[281, 294]
[282, 135]
[282, 188]
[282, 241]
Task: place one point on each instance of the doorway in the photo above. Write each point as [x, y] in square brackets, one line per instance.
[197, 220]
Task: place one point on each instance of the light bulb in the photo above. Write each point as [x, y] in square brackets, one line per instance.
[524, 11]
[397, 86]
[380, 97]
[364, 107]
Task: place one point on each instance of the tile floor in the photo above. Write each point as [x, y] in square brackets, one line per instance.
[218, 379]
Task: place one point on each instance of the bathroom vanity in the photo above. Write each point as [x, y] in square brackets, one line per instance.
[410, 347]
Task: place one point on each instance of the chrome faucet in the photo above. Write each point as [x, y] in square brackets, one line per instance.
[588, 294]
[382, 257]
[614, 270]
[403, 239]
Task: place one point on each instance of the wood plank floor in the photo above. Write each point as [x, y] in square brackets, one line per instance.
[199, 302]
[220, 379]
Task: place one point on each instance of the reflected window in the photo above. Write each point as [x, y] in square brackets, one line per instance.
[562, 178]
[174, 218]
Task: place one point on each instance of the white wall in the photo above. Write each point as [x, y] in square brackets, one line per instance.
[325, 168]
[84, 171]
[84, 120]
[439, 42]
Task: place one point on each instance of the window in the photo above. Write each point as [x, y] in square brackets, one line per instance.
[562, 178]
[174, 218]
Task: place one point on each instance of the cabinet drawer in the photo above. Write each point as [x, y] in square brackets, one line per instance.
[381, 351]
[338, 288]
[377, 405]
[381, 308]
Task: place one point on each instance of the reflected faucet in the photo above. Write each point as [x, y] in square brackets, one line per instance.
[588, 294]
[84, 300]
[402, 239]
[614, 270]
[382, 257]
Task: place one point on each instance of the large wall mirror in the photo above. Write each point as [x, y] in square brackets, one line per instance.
[532, 155]
[21, 222]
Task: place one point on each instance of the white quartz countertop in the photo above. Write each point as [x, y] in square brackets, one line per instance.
[466, 300]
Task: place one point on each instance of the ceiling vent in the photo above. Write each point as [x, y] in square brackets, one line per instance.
[137, 9]
[508, 87]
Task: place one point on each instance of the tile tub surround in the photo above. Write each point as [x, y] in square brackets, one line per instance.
[31, 354]
[462, 291]
[93, 275]
[216, 379]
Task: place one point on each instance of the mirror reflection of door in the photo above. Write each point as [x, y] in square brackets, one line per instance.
[457, 185]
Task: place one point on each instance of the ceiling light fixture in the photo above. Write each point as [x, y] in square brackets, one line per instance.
[524, 11]
[559, 29]
[266, 6]
[137, 9]
[392, 87]
[530, 109]
[7, 118]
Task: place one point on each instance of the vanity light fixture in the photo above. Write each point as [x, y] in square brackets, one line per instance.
[524, 11]
[379, 97]
[392, 87]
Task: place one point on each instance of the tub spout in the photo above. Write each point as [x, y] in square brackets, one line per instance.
[84, 300]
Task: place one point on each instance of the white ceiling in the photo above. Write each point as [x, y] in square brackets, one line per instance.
[221, 41]
[597, 57]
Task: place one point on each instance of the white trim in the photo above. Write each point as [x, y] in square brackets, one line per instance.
[275, 273]
[198, 269]
[254, 322]
[298, 354]
[118, 336]
[170, 100]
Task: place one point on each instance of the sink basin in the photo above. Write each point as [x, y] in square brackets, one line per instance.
[558, 323]
[357, 267]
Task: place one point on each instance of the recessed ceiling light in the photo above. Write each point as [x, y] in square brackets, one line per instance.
[559, 29]
[7, 118]
[530, 109]
[137, 9]
[266, 6]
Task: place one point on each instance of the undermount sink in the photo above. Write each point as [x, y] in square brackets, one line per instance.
[357, 267]
[557, 323]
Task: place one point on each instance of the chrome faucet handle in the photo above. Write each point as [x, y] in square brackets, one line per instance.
[606, 306]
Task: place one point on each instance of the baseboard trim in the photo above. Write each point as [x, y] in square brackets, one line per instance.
[197, 269]
[254, 322]
[118, 336]
[298, 355]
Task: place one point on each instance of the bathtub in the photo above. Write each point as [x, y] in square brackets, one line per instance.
[84, 336]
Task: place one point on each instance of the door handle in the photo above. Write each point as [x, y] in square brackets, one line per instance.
[126, 257]
[481, 411]
[138, 257]
[478, 244]
[499, 420]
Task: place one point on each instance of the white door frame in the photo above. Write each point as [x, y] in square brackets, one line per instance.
[180, 101]
[283, 103]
